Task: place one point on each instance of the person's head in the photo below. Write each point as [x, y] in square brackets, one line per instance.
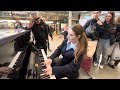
[118, 19]
[18, 22]
[77, 36]
[110, 17]
[66, 26]
[96, 14]
[35, 17]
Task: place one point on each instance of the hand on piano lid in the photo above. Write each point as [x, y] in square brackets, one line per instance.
[5, 70]
[31, 24]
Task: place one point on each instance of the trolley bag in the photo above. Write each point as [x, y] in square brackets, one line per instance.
[115, 55]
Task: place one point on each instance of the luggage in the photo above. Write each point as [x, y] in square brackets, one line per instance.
[115, 55]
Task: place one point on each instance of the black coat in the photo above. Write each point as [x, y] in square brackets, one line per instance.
[99, 28]
[40, 32]
[66, 66]
[110, 31]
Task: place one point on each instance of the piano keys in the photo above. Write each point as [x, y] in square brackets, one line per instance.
[38, 72]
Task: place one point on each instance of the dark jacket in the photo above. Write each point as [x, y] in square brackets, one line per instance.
[66, 66]
[110, 32]
[99, 28]
[40, 32]
[49, 31]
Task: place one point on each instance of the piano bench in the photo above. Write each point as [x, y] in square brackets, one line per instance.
[83, 75]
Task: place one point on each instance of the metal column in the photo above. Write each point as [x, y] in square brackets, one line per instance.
[70, 18]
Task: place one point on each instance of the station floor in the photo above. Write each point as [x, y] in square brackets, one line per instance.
[95, 72]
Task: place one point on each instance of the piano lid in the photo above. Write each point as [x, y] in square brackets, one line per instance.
[7, 35]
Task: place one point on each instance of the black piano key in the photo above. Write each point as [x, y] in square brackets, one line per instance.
[45, 77]
[44, 66]
[41, 64]
[42, 60]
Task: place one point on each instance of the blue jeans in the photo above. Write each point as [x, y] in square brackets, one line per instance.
[102, 48]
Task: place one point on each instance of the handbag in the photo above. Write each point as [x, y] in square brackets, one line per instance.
[86, 64]
[90, 30]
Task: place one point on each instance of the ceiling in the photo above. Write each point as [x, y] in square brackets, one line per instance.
[52, 15]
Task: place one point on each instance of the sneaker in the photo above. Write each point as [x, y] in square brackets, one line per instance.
[95, 64]
[101, 66]
[112, 66]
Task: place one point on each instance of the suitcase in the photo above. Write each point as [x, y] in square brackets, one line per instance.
[115, 55]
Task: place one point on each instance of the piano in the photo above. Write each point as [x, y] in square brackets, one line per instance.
[38, 66]
[20, 65]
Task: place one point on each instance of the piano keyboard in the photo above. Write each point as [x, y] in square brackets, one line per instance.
[42, 76]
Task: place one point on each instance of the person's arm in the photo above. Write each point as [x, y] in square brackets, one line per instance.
[67, 70]
[47, 29]
[118, 33]
[100, 26]
[5, 70]
[21, 26]
[118, 27]
[57, 52]
[27, 28]
[30, 26]
[86, 24]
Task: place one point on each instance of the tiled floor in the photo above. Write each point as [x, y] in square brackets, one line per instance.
[96, 73]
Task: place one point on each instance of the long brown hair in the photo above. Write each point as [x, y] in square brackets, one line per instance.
[82, 44]
[112, 21]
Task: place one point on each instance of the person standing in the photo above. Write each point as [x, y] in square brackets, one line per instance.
[106, 38]
[39, 31]
[18, 42]
[99, 28]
